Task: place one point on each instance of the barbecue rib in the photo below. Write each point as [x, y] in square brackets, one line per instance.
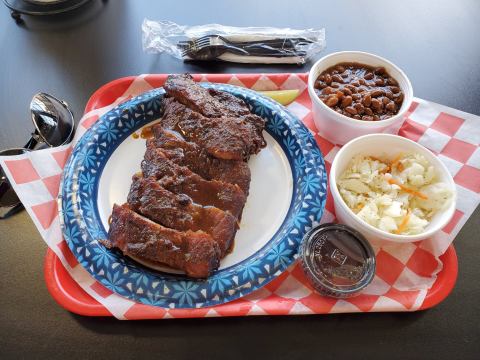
[150, 199]
[209, 102]
[194, 252]
[191, 155]
[185, 90]
[181, 180]
[215, 104]
[226, 138]
[229, 104]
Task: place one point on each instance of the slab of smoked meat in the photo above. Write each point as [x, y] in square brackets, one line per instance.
[184, 89]
[225, 138]
[150, 199]
[181, 180]
[196, 253]
[210, 102]
[235, 107]
[197, 159]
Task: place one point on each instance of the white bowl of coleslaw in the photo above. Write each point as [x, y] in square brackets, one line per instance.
[391, 188]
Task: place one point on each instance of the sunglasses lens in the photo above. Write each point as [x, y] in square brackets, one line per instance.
[52, 119]
[8, 198]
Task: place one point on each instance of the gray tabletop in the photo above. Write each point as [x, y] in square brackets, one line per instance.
[71, 56]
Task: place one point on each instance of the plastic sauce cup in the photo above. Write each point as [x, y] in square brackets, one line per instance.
[338, 260]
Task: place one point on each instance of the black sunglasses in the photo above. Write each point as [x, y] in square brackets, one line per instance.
[54, 126]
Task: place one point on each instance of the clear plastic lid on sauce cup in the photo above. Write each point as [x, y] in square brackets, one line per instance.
[337, 259]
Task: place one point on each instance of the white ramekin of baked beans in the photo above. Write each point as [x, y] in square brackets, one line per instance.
[355, 93]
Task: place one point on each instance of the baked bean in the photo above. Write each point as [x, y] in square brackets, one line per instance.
[352, 88]
[327, 91]
[347, 100]
[398, 99]
[337, 78]
[394, 89]
[391, 106]
[351, 110]
[332, 101]
[376, 104]
[392, 81]
[367, 100]
[368, 76]
[328, 79]
[359, 107]
[359, 91]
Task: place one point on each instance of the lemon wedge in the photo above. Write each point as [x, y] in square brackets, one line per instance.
[284, 97]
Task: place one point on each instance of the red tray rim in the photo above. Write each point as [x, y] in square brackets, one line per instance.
[68, 294]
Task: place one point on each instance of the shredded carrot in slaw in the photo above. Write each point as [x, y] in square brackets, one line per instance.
[403, 224]
[416, 193]
[374, 158]
[359, 207]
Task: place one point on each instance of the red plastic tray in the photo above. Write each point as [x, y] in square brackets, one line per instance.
[73, 298]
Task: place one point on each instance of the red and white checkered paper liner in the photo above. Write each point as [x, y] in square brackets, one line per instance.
[404, 272]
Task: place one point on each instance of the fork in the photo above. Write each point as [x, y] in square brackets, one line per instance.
[216, 41]
[205, 51]
[212, 46]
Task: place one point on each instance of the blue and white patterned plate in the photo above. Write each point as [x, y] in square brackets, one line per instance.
[287, 197]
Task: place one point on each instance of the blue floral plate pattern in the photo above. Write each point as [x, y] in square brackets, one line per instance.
[82, 227]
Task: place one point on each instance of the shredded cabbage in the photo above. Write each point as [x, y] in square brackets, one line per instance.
[398, 196]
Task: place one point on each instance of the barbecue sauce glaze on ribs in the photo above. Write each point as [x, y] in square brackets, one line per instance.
[184, 208]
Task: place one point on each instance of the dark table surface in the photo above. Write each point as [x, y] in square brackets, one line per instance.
[70, 56]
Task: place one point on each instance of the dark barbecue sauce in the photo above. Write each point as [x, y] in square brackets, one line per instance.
[337, 259]
[145, 133]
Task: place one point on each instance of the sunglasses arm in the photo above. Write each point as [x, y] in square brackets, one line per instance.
[34, 140]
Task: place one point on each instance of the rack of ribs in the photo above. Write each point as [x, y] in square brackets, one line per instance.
[184, 208]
